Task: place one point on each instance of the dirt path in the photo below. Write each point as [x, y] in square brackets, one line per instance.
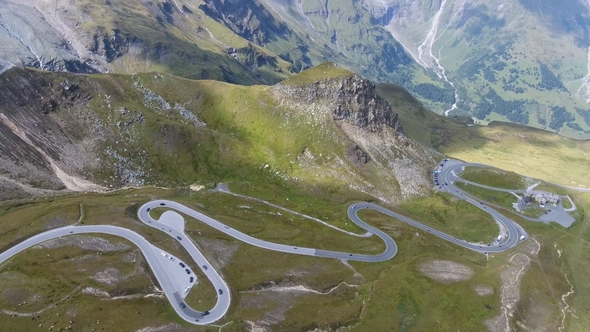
[510, 291]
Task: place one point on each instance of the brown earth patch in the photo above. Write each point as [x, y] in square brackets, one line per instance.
[445, 272]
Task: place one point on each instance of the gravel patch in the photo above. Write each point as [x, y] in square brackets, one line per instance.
[95, 291]
[483, 290]
[196, 187]
[173, 327]
[510, 292]
[109, 276]
[130, 257]
[445, 272]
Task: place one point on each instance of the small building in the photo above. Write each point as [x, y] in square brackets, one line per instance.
[542, 197]
[545, 197]
[527, 200]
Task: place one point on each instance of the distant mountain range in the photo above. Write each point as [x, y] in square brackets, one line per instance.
[524, 62]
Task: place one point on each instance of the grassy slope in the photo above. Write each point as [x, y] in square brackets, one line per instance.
[452, 216]
[188, 44]
[326, 70]
[390, 295]
[523, 150]
[236, 127]
[245, 131]
[492, 196]
[493, 178]
[341, 307]
[532, 153]
[575, 244]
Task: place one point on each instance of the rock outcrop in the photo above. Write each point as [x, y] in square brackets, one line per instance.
[378, 146]
[64, 131]
[352, 99]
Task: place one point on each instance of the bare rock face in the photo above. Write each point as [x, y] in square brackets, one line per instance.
[352, 99]
[358, 102]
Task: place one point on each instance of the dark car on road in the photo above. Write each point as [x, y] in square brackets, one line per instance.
[205, 313]
[192, 280]
[188, 271]
[182, 305]
[220, 292]
[204, 267]
[162, 204]
[179, 238]
[181, 265]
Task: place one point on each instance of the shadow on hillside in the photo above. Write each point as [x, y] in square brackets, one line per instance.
[153, 41]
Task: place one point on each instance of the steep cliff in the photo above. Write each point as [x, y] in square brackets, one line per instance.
[351, 98]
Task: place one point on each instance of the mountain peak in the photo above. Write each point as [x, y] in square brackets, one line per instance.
[325, 71]
[343, 94]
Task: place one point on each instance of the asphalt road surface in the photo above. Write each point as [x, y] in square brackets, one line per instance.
[176, 231]
[446, 179]
[152, 255]
[553, 213]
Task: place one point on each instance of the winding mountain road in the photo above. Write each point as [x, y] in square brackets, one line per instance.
[173, 225]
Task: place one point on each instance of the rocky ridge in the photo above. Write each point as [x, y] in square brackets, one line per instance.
[378, 146]
[352, 99]
[60, 131]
